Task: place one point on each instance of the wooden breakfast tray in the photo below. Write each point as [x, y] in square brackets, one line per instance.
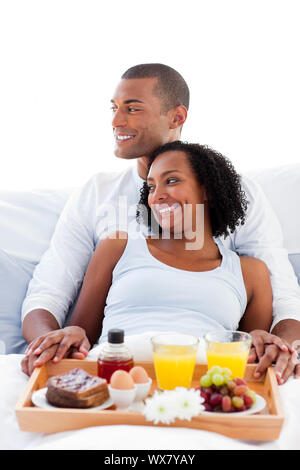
[265, 425]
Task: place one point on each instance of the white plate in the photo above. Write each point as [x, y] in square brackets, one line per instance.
[258, 406]
[39, 399]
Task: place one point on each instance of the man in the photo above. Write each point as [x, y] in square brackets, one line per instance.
[149, 109]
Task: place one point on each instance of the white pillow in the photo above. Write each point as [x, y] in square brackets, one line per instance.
[282, 187]
[15, 275]
[27, 221]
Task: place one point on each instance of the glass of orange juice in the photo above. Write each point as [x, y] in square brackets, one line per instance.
[174, 357]
[228, 349]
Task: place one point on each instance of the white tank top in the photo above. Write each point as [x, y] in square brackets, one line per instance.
[148, 295]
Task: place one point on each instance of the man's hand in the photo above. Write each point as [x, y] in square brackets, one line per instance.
[268, 349]
[66, 342]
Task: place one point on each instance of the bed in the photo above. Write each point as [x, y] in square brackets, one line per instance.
[27, 221]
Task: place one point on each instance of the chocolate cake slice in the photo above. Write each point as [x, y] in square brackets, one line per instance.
[76, 389]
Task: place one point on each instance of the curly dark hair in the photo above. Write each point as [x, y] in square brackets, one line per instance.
[226, 200]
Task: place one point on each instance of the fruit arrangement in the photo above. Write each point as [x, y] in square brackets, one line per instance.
[223, 393]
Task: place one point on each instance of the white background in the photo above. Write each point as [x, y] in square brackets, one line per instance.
[61, 60]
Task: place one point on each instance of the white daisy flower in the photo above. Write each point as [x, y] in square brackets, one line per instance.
[189, 403]
[180, 403]
[160, 408]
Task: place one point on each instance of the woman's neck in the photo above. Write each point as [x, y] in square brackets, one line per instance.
[207, 249]
[196, 241]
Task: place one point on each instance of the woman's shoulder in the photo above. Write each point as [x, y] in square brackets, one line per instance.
[112, 245]
[255, 274]
[254, 267]
[117, 235]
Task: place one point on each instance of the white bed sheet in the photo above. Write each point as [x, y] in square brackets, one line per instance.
[13, 382]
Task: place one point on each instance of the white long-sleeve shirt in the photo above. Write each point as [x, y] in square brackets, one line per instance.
[108, 201]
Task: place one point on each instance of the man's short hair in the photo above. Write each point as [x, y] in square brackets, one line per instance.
[171, 88]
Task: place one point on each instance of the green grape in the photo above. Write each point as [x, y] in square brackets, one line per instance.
[226, 378]
[237, 402]
[217, 379]
[226, 371]
[214, 370]
[206, 381]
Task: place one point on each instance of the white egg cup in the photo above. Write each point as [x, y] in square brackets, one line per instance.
[122, 398]
[142, 390]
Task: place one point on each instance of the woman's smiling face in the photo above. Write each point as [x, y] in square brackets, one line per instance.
[174, 192]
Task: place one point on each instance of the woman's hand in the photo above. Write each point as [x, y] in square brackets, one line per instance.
[66, 342]
[266, 349]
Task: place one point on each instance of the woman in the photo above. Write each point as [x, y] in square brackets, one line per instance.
[180, 276]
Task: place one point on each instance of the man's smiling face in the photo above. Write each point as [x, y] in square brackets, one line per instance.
[138, 124]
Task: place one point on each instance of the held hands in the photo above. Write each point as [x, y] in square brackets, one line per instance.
[73, 342]
[66, 342]
[268, 349]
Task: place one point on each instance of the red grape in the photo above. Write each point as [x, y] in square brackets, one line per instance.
[215, 399]
[248, 400]
[224, 390]
[207, 390]
[240, 390]
[242, 408]
[240, 381]
[231, 385]
[208, 407]
[226, 403]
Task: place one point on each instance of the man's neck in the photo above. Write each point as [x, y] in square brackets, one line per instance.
[142, 162]
[142, 166]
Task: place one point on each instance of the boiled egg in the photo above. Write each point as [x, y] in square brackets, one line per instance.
[139, 375]
[121, 380]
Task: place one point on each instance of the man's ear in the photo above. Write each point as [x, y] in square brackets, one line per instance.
[178, 117]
